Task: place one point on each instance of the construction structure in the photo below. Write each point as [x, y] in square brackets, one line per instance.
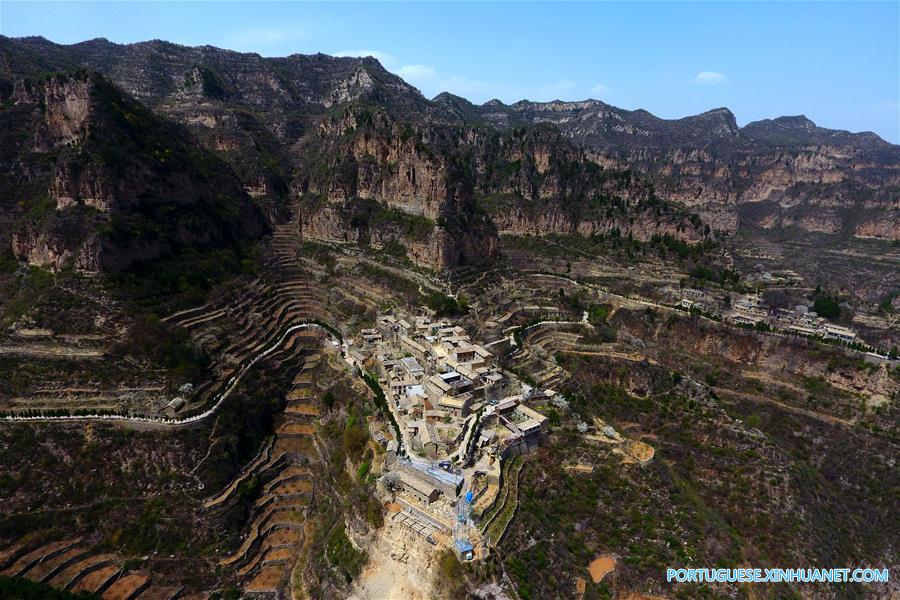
[461, 543]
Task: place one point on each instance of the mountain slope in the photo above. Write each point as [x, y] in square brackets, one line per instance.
[283, 126]
[768, 174]
[246, 108]
[344, 130]
[101, 183]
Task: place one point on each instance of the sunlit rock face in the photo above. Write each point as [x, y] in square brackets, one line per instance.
[106, 183]
[345, 130]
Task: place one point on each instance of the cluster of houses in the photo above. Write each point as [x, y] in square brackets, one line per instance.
[752, 310]
[456, 408]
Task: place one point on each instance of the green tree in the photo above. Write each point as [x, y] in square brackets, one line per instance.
[827, 306]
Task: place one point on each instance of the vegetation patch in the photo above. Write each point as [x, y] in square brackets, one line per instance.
[19, 588]
[342, 555]
[446, 306]
[367, 215]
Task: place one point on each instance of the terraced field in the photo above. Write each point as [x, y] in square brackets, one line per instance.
[73, 565]
[497, 518]
[535, 359]
[234, 328]
[269, 550]
[241, 322]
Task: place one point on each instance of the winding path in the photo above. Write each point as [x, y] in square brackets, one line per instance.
[162, 422]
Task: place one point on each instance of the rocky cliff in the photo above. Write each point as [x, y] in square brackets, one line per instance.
[103, 183]
[471, 181]
[369, 223]
[803, 361]
[783, 172]
[345, 129]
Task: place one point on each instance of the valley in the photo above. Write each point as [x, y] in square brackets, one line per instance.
[285, 328]
[629, 361]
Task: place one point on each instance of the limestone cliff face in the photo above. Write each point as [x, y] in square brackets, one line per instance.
[81, 184]
[67, 107]
[384, 183]
[326, 223]
[283, 126]
[821, 188]
[359, 82]
[384, 162]
[430, 245]
[825, 189]
[537, 184]
[47, 250]
[784, 172]
[470, 182]
[876, 227]
[110, 184]
[794, 357]
[440, 249]
[345, 129]
[526, 221]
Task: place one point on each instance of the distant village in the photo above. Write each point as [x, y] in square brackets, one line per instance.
[751, 309]
[457, 414]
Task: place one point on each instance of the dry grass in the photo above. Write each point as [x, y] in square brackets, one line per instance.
[297, 429]
[123, 588]
[267, 580]
[302, 409]
[95, 580]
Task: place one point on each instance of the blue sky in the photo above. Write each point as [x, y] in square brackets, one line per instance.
[838, 63]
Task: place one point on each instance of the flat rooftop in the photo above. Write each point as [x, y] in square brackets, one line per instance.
[411, 363]
[439, 474]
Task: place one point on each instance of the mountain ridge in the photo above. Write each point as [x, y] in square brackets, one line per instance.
[722, 111]
[264, 115]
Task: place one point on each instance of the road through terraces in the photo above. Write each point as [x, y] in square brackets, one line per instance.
[239, 328]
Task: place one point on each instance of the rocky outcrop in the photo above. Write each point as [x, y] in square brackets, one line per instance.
[798, 359]
[383, 161]
[66, 110]
[81, 184]
[806, 176]
[879, 228]
[530, 181]
[283, 125]
[371, 224]
[326, 223]
[530, 221]
[346, 129]
[116, 184]
[379, 183]
[47, 250]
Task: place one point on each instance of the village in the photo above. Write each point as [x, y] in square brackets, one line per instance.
[456, 420]
[751, 310]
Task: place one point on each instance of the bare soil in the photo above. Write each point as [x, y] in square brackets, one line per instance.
[601, 566]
